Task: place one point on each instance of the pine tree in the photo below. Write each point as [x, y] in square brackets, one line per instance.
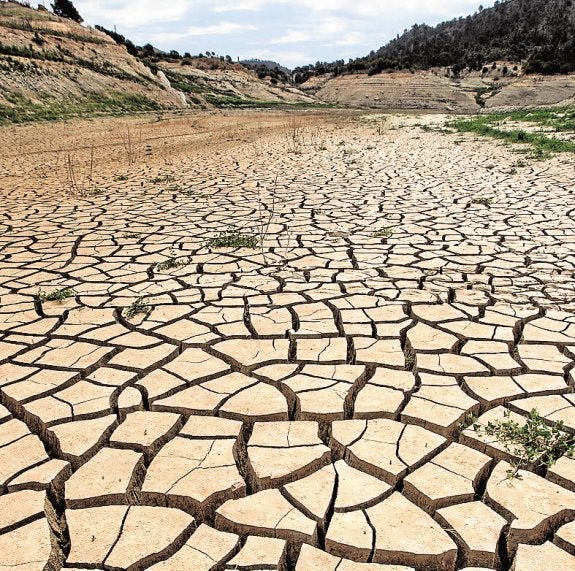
[66, 9]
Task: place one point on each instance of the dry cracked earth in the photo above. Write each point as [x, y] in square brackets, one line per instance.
[302, 405]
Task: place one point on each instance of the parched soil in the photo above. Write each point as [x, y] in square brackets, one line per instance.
[307, 403]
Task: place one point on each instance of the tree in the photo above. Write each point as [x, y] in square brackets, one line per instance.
[66, 9]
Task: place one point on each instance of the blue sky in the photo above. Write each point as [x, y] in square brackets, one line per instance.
[294, 32]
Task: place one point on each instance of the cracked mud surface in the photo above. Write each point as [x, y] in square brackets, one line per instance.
[297, 406]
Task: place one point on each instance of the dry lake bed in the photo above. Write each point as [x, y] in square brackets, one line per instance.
[261, 340]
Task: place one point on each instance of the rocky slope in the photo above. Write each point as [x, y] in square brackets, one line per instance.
[52, 67]
[46, 60]
[437, 90]
[210, 81]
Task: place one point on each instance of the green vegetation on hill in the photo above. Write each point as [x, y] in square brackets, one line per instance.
[540, 32]
[22, 110]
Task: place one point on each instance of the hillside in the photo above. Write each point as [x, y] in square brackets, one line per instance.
[49, 65]
[518, 53]
[212, 82]
[536, 33]
[52, 67]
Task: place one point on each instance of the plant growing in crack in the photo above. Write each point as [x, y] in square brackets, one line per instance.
[77, 187]
[172, 263]
[266, 216]
[233, 238]
[409, 359]
[55, 295]
[537, 442]
[137, 307]
[481, 201]
[469, 421]
[163, 179]
[383, 233]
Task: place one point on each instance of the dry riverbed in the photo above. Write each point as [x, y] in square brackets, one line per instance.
[266, 340]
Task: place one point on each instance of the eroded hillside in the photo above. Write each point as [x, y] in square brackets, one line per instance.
[437, 90]
[52, 67]
[209, 81]
[46, 61]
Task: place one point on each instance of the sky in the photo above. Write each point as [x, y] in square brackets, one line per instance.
[291, 32]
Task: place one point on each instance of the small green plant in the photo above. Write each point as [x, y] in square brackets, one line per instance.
[137, 307]
[162, 179]
[172, 263]
[536, 442]
[409, 359]
[469, 421]
[481, 201]
[55, 295]
[383, 233]
[131, 235]
[121, 177]
[233, 238]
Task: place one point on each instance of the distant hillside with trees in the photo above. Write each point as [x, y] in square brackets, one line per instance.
[539, 33]
[267, 68]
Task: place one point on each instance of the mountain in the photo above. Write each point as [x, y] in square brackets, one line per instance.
[538, 33]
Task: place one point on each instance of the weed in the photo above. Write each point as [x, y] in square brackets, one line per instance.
[55, 295]
[383, 233]
[381, 126]
[163, 179]
[481, 201]
[172, 263]
[263, 226]
[409, 359]
[121, 177]
[543, 145]
[131, 235]
[233, 238]
[137, 307]
[295, 136]
[78, 186]
[537, 442]
[469, 421]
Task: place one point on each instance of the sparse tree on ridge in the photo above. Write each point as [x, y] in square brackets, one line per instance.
[66, 9]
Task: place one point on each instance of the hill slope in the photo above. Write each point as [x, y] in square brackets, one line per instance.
[52, 67]
[495, 58]
[540, 32]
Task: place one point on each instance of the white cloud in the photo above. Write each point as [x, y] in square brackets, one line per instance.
[220, 29]
[309, 30]
[130, 14]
